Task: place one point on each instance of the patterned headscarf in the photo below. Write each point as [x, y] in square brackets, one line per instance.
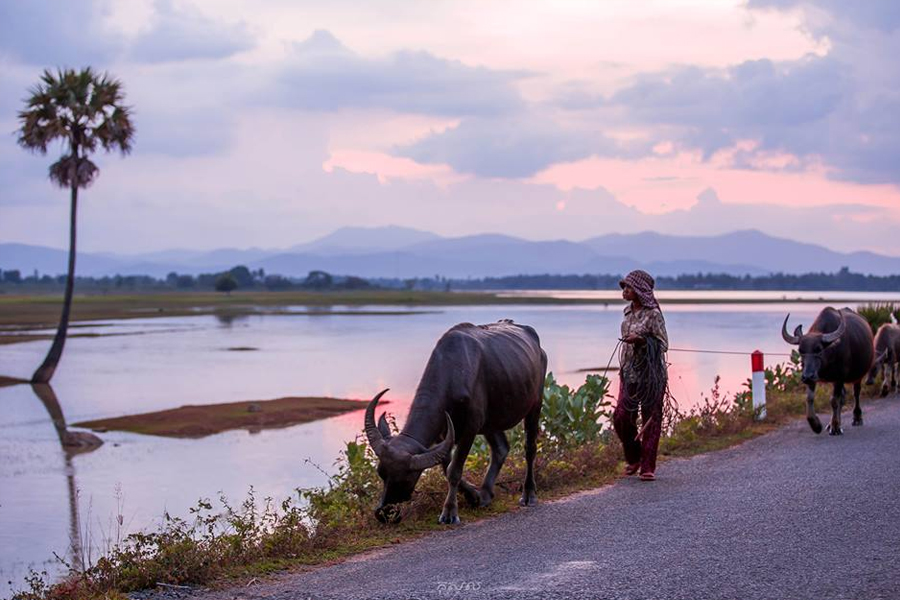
[642, 284]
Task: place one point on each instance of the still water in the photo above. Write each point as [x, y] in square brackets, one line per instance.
[47, 498]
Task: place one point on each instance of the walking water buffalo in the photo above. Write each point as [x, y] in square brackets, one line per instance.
[480, 379]
[838, 349]
[887, 356]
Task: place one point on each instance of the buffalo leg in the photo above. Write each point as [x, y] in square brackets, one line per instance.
[894, 369]
[857, 411]
[499, 450]
[473, 496]
[837, 403]
[450, 514]
[884, 378]
[532, 426]
[811, 417]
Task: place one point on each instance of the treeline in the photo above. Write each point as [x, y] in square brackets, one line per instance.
[237, 278]
[242, 278]
[843, 280]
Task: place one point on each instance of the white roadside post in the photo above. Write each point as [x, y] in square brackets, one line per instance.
[757, 362]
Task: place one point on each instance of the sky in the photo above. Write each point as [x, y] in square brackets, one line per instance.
[267, 123]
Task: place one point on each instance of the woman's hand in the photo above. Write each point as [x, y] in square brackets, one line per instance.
[633, 338]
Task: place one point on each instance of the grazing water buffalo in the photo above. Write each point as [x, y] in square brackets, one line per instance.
[480, 379]
[887, 356]
[837, 349]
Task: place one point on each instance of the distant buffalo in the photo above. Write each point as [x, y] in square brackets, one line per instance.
[887, 356]
[480, 379]
[838, 349]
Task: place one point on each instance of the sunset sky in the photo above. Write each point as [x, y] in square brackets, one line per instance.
[270, 122]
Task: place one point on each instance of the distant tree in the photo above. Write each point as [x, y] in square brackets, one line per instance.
[243, 276]
[172, 278]
[355, 283]
[206, 280]
[184, 281]
[226, 283]
[318, 280]
[84, 111]
[277, 282]
[12, 276]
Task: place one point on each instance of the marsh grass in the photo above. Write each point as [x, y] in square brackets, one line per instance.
[221, 543]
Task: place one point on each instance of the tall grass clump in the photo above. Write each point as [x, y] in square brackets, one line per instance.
[879, 313]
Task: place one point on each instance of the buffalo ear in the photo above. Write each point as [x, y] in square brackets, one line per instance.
[384, 428]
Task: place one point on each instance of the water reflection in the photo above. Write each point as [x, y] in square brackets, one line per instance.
[72, 444]
[229, 319]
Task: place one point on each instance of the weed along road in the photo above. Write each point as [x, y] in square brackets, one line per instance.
[787, 515]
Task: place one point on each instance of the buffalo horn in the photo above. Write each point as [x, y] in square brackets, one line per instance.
[790, 339]
[376, 440]
[837, 333]
[436, 455]
[384, 428]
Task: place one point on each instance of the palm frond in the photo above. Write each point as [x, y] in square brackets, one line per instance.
[83, 110]
[71, 170]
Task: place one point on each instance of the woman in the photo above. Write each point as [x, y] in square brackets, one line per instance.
[643, 378]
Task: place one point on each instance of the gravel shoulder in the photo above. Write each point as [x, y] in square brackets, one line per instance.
[786, 515]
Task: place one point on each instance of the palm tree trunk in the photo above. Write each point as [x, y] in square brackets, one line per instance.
[45, 371]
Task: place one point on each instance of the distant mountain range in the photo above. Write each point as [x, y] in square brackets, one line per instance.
[401, 252]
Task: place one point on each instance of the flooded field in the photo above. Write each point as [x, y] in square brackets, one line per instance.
[49, 498]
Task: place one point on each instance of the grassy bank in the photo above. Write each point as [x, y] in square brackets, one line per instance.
[221, 543]
[195, 421]
[23, 317]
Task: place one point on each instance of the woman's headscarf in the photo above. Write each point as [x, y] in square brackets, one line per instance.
[642, 283]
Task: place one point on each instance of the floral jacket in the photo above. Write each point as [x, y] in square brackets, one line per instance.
[643, 322]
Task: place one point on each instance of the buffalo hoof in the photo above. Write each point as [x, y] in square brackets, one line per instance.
[884, 391]
[528, 499]
[857, 421]
[832, 430]
[449, 520]
[473, 497]
[815, 424]
[478, 498]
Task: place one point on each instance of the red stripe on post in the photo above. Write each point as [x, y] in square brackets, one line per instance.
[756, 361]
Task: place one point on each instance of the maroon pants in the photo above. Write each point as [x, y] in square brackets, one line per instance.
[641, 451]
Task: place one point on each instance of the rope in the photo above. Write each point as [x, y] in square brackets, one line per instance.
[656, 383]
[645, 378]
[735, 352]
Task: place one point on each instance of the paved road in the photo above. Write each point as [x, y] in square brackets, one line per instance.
[787, 515]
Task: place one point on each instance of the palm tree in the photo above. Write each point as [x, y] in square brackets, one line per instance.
[83, 111]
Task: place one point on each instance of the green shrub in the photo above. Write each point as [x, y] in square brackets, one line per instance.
[568, 418]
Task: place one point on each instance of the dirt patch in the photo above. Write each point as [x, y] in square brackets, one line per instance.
[199, 421]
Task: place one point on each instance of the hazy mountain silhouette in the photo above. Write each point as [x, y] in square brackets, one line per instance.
[404, 252]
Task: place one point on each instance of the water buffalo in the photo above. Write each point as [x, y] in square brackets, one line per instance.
[887, 356]
[838, 349]
[480, 379]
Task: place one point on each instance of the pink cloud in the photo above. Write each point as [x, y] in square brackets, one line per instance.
[668, 182]
[387, 167]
